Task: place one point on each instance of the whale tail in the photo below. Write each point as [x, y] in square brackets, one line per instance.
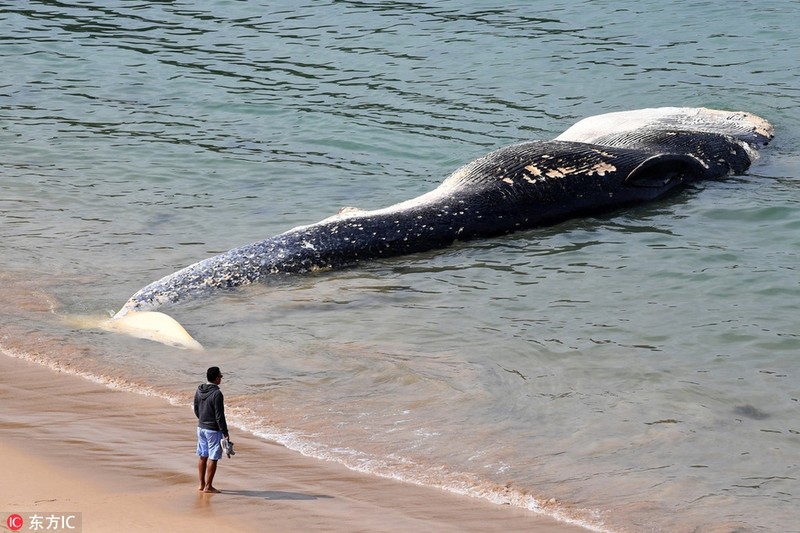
[154, 326]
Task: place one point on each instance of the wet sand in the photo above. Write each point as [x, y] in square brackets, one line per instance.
[126, 462]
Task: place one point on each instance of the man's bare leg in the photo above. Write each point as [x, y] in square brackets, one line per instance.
[210, 471]
[201, 470]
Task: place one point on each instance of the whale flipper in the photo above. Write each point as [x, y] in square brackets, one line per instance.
[662, 169]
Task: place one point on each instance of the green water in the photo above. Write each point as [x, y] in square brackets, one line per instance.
[641, 368]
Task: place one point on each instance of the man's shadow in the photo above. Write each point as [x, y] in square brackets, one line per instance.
[275, 494]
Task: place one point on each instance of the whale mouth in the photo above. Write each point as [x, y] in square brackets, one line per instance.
[149, 325]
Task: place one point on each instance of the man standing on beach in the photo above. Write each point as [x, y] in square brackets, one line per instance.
[211, 427]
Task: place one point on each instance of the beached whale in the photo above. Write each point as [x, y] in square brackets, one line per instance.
[599, 164]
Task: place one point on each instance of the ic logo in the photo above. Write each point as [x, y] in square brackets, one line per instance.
[14, 522]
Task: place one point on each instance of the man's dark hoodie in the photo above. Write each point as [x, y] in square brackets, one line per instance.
[209, 409]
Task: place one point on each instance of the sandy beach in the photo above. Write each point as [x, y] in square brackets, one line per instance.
[126, 462]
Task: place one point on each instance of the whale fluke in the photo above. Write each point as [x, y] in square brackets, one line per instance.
[154, 326]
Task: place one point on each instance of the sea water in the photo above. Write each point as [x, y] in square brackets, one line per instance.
[636, 371]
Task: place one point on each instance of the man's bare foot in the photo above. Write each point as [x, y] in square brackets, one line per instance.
[211, 490]
[201, 489]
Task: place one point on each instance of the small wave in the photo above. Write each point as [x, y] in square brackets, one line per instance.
[390, 467]
[432, 476]
[112, 382]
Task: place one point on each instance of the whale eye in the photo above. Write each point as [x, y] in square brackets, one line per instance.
[665, 171]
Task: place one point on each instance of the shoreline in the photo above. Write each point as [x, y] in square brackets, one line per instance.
[126, 462]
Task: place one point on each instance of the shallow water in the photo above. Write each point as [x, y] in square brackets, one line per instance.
[639, 369]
